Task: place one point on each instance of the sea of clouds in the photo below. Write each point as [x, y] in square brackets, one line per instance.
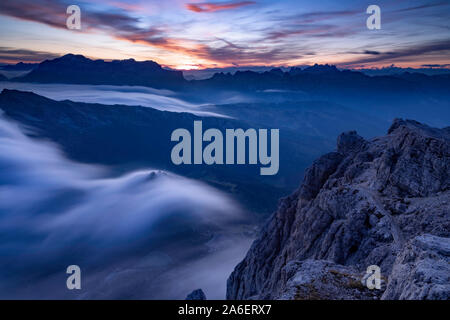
[159, 99]
[147, 234]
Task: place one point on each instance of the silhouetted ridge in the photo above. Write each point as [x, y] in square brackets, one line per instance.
[321, 69]
[77, 69]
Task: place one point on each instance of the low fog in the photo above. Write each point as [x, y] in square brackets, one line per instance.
[147, 234]
[159, 99]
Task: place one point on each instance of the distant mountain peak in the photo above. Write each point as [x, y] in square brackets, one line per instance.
[321, 68]
[77, 69]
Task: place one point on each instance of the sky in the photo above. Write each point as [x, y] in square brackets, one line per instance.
[198, 34]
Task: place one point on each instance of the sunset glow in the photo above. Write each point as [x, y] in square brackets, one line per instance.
[186, 34]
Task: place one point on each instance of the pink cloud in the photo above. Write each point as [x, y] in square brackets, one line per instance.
[211, 7]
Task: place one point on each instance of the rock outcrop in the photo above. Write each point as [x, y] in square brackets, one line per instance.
[197, 294]
[383, 202]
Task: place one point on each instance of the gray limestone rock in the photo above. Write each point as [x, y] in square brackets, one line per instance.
[362, 205]
[321, 279]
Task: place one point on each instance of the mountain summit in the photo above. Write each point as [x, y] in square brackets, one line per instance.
[383, 202]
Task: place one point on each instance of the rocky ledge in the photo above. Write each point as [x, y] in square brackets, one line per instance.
[383, 202]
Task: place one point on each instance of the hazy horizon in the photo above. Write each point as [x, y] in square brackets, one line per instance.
[257, 68]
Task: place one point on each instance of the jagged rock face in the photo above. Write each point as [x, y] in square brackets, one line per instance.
[357, 207]
[421, 270]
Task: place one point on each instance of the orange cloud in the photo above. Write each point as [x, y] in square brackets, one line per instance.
[211, 7]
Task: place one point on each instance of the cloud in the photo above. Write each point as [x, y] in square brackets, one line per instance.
[310, 26]
[240, 55]
[12, 55]
[119, 25]
[53, 13]
[126, 6]
[436, 65]
[309, 30]
[56, 212]
[316, 16]
[372, 52]
[424, 6]
[277, 35]
[218, 6]
[229, 53]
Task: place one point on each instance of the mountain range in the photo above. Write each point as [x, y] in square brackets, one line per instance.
[77, 69]
[406, 95]
[374, 201]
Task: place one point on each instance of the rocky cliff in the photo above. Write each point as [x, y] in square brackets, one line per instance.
[383, 202]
